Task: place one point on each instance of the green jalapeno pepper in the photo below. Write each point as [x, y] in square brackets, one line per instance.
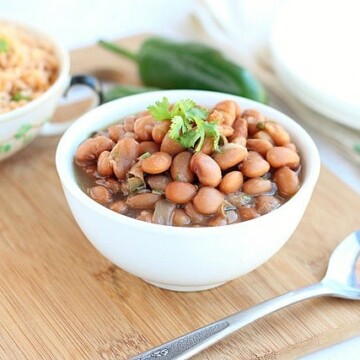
[172, 65]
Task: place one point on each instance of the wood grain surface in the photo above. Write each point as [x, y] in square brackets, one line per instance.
[60, 299]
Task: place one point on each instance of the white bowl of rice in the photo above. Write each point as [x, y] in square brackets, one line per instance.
[34, 73]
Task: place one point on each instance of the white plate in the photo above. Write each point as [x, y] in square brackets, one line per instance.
[315, 46]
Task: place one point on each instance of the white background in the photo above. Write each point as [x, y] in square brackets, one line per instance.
[77, 23]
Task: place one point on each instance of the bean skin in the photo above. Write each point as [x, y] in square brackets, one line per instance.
[180, 167]
[180, 192]
[180, 218]
[149, 147]
[277, 133]
[266, 204]
[231, 182]
[280, 156]
[160, 130]
[100, 194]
[90, 150]
[104, 164]
[259, 145]
[171, 146]
[206, 169]
[287, 181]
[257, 185]
[208, 200]
[156, 163]
[254, 165]
[143, 127]
[230, 155]
[143, 201]
[158, 182]
[124, 155]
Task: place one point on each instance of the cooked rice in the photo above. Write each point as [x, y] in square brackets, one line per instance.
[28, 67]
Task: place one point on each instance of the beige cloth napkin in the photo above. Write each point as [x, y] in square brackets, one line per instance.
[209, 29]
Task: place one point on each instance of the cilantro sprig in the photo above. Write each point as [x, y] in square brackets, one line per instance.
[189, 125]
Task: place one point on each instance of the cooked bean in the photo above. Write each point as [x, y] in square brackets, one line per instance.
[216, 116]
[231, 182]
[208, 200]
[158, 182]
[143, 127]
[116, 132]
[149, 147]
[206, 169]
[129, 123]
[255, 119]
[119, 207]
[240, 129]
[239, 140]
[277, 133]
[279, 156]
[259, 145]
[180, 167]
[218, 220]
[230, 155]
[180, 192]
[287, 181]
[208, 146]
[156, 163]
[180, 218]
[145, 215]
[130, 134]
[263, 135]
[248, 213]
[160, 130]
[109, 183]
[266, 204]
[90, 150]
[124, 155]
[291, 146]
[171, 146]
[226, 130]
[100, 194]
[143, 200]
[257, 185]
[195, 216]
[104, 164]
[254, 165]
[230, 109]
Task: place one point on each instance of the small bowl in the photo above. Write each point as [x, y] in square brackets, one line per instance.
[20, 126]
[174, 258]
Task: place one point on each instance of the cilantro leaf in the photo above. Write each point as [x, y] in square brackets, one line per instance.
[177, 127]
[161, 110]
[4, 46]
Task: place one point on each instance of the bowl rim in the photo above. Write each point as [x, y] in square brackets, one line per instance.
[63, 163]
[63, 58]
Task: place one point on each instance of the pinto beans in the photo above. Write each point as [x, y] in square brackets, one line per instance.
[194, 215]
[263, 135]
[145, 215]
[257, 185]
[149, 147]
[259, 145]
[180, 168]
[254, 165]
[277, 133]
[230, 155]
[129, 123]
[119, 207]
[240, 131]
[158, 182]
[206, 169]
[208, 200]
[116, 132]
[266, 204]
[104, 164]
[255, 119]
[171, 146]
[231, 182]
[159, 130]
[100, 194]
[90, 150]
[180, 218]
[156, 163]
[229, 109]
[143, 127]
[287, 181]
[208, 146]
[248, 213]
[279, 156]
[143, 200]
[124, 155]
[180, 192]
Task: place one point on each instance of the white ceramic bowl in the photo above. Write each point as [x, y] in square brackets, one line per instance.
[183, 259]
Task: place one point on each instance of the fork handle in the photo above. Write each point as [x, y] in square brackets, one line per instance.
[196, 341]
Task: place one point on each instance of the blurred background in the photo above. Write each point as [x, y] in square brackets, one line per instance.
[242, 29]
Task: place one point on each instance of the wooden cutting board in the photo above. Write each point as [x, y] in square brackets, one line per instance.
[60, 299]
